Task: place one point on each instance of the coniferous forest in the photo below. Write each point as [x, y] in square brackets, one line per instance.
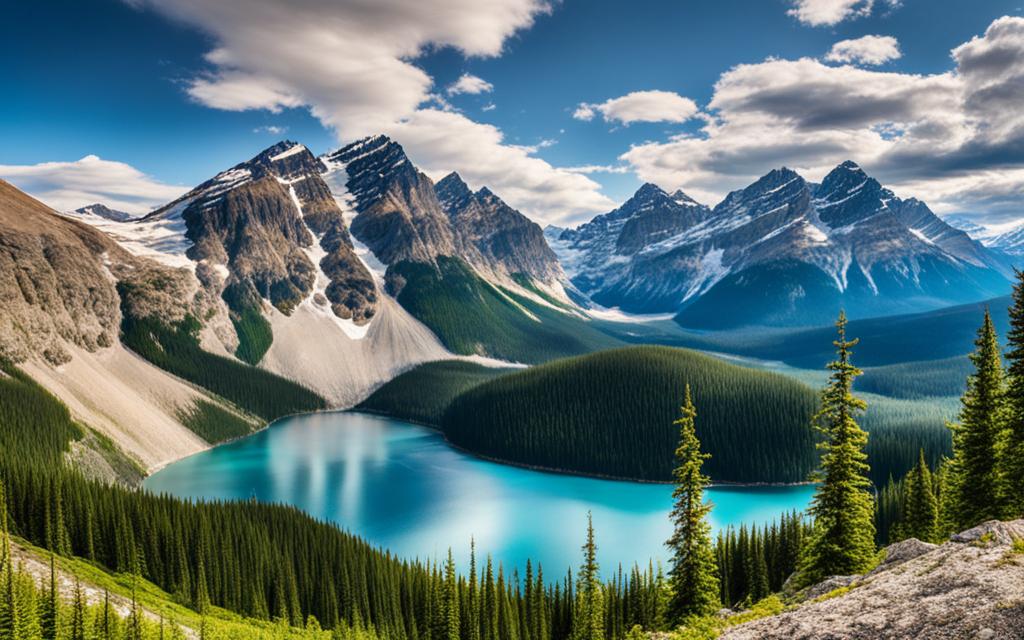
[611, 414]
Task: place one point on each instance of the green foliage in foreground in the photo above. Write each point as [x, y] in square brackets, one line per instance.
[611, 413]
[709, 627]
[214, 423]
[176, 349]
[471, 316]
[424, 393]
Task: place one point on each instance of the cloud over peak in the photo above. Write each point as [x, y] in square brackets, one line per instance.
[66, 186]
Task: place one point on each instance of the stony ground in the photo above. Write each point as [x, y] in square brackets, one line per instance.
[969, 587]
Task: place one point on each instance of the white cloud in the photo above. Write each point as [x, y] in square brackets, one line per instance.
[640, 106]
[273, 130]
[468, 83]
[440, 141]
[587, 169]
[827, 13]
[353, 65]
[820, 13]
[929, 136]
[489, 107]
[868, 50]
[66, 186]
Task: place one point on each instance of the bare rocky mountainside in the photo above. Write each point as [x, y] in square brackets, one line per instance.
[781, 251]
[271, 227]
[971, 587]
[64, 288]
[402, 216]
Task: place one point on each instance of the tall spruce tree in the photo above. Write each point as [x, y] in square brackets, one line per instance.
[693, 576]
[843, 540]
[1011, 459]
[450, 600]
[588, 614]
[920, 508]
[972, 480]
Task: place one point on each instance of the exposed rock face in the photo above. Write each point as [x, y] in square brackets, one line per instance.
[104, 212]
[398, 214]
[402, 216]
[54, 284]
[273, 226]
[781, 251]
[494, 236]
[969, 587]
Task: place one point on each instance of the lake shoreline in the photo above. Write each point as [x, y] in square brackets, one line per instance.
[557, 471]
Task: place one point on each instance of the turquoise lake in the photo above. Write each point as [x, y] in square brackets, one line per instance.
[402, 487]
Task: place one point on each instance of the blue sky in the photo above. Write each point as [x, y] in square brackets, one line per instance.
[157, 95]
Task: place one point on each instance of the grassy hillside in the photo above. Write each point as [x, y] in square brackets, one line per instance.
[424, 393]
[471, 316]
[176, 349]
[611, 413]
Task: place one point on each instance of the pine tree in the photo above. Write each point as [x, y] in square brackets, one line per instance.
[451, 600]
[1011, 459]
[920, 510]
[973, 478]
[588, 619]
[11, 624]
[474, 596]
[843, 540]
[49, 607]
[693, 576]
[77, 627]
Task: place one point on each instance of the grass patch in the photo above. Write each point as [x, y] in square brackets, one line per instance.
[710, 627]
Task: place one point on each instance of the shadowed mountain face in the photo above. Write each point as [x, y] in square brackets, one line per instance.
[780, 252]
[273, 230]
[402, 216]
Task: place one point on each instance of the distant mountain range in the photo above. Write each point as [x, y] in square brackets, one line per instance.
[1008, 240]
[782, 251]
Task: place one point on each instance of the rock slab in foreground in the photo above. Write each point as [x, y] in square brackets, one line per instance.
[969, 587]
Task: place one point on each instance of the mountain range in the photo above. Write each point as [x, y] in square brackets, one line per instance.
[338, 272]
[782, 251]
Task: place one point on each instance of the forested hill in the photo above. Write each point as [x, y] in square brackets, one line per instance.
[611, 413]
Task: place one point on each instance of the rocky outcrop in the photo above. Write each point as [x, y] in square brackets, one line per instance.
[402, 216]
[55, 281]
[274, 231]
[969, 587]
[398, 215]
[493, 236]
[105, 212]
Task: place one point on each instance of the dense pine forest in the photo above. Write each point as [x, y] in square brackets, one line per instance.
[611, 413]
[468, 313]
[176, 349]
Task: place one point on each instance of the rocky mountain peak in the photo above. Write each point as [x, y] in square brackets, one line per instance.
[373, 164]
[453, 192]
[682, 198]
[105, 212]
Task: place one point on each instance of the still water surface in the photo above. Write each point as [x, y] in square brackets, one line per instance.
[400, 486]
